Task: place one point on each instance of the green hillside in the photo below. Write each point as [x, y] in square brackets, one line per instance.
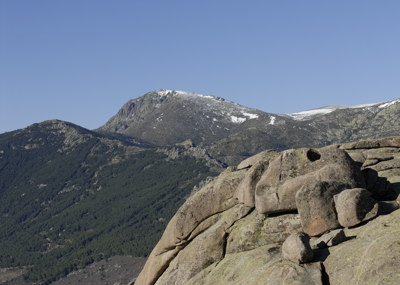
[70, 197]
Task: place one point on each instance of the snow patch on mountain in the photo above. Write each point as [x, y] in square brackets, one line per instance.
[304, 115]
[272, 120]
[212, 106]
[309, 114]
[184, 93]
[250, 115]
[237, 120]
[390, 103]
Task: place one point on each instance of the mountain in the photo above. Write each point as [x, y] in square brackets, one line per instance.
[70, 196]
[166, 117]
[231, 132]
[315, 128]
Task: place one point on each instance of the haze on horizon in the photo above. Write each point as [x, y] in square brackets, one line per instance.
[80, 61]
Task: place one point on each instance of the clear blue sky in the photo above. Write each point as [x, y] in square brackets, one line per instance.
[81, 60]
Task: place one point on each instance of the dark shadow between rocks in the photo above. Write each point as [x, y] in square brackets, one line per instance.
[387, 207]
[363, 223]
[277, 214]
[395, 187]
[321, 254]
[325, 277]
[350, 238]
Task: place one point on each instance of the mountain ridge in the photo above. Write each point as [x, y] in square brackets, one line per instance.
[308, 114]
[70, 196]
[231, 132]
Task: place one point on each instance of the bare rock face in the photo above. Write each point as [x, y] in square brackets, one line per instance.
[354, 206]
[380, 165]
[254, 231]
[190, 260]
[192, 218]
[238, 229]
[262, 265]
[370, 257]
[297, 248]
[246, 189]
[265, 155]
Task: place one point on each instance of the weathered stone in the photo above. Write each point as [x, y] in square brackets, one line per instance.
[214, 239]
[329, 239]
[357, 156]
[371, 258]
[276, 190]
[370, 162]
[385, 165]
[380, 156]
[316, 206]
[246, 189]
[214, 198]
[254, 231]
[354, 206]
[297, 248]
[264, 156]
[360, 145]
[369, 144]
[262, 265]
[208, 247]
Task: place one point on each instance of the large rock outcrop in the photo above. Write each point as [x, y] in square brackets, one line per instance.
[287, 173]
[232, 230]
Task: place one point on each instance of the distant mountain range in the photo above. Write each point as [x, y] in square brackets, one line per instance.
[231, 132]
[70, 196]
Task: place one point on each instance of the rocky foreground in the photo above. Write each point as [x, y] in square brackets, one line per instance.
[301, 216]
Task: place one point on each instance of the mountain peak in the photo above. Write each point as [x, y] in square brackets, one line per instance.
[168, 116]
[182, 94]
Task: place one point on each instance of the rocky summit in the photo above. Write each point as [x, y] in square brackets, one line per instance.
[301, 216]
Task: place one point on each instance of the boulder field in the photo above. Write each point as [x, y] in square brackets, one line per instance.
[301, 216]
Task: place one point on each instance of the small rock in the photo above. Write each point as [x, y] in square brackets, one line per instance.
[297, 248]
[329, 239]
[354, 206]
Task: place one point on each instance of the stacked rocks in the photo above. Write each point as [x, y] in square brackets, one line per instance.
[263, 221]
